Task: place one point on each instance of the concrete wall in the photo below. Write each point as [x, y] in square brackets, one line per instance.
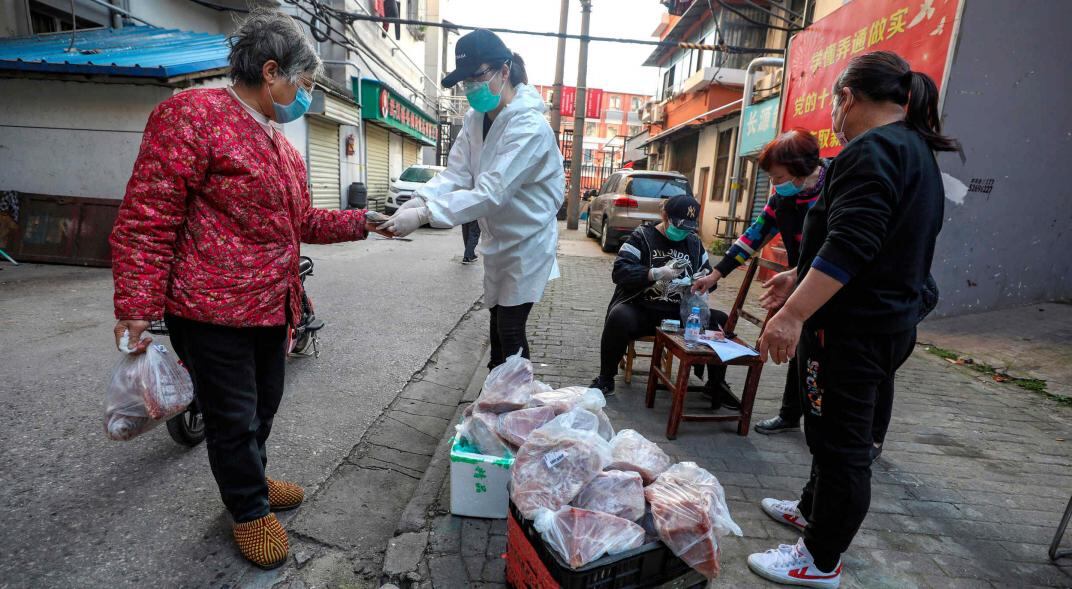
[70, 138]
[1007, 102]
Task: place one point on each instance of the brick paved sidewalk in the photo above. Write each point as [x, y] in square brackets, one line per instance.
[972, 482]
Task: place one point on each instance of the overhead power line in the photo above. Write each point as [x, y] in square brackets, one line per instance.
[754, 21]
[353, 16]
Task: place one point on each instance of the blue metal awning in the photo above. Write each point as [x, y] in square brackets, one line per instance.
[144, 52]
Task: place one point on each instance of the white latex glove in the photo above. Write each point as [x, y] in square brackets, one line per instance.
[406, 221]
[414, 202]
[665, 273]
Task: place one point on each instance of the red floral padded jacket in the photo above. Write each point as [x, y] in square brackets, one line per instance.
[214, 213]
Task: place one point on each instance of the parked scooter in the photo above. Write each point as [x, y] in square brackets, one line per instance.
[188, 428]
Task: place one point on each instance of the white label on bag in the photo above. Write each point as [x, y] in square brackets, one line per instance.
[160, 348]
[552, 459]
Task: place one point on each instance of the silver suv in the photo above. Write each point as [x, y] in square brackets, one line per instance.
[627, 199]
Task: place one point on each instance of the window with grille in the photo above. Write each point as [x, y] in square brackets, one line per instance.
[722, 163]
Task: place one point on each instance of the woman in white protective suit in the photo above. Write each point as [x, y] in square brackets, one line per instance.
[505, 170]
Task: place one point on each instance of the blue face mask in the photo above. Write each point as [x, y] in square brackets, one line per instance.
[481, 98]
[787, 188]
[675, 234]
[295, 110]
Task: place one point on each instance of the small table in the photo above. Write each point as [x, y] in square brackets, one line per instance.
[674, 344]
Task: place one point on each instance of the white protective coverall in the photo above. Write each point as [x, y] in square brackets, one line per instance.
[513, 183]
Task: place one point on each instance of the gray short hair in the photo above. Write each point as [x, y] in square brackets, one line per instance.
[267, 34]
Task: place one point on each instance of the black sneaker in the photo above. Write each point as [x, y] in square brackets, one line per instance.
[721, 395]
[467, 261]
[606, 385]
[776, 425]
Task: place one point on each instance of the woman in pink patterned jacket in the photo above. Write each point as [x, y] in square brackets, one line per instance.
[208, 238]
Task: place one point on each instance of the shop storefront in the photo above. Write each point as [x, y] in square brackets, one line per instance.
[395, 131]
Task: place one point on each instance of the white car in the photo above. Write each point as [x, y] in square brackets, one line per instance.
[402, 188]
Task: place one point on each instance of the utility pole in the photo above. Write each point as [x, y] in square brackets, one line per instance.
[573, 209]
[560, 62]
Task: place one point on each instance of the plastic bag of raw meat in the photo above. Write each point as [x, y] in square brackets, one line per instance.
[515, 426]
[508, 387]
[556, 461]
[480, 429]
[562, 400]
[632, 451]
[690, 513]
[615, 492]
[145, 390]
[580, 536]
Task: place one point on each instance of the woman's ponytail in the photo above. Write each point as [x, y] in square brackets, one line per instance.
[886, 76]
[518, 75]
[923, 113]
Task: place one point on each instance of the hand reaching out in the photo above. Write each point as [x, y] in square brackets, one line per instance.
[778, 290]
[705, 284]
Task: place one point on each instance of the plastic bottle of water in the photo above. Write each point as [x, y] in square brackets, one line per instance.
[693, 329]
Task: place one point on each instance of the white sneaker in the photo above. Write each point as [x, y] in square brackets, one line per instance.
[785, 512]
[792, 564]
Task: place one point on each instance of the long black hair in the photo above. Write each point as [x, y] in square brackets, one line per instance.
[886, 76]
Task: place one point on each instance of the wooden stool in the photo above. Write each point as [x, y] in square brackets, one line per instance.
[672, 345]
[631, 354]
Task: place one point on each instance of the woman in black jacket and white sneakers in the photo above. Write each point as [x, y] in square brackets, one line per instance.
[859, 293]
[646, 263]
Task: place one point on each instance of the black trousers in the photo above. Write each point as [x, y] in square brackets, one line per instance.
[627, 322]
[792, 410]
[508, 326]
[846, 392]
[470, 237]
[238, 383]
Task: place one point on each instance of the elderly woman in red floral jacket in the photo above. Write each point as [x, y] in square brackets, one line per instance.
[208, 237]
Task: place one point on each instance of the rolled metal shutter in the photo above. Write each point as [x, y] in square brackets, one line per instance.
[760, 194]
[324, 164]
[411, 153]
[376, 143]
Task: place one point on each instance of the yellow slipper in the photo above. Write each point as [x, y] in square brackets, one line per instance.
[263, 541]
[284, 496]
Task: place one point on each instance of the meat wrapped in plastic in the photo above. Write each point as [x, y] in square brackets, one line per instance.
[690, 513]
[556, 462]
[507, 388]
[615, 492]
[580, 536]
[480, 430]
[563, 400]
[515, 426]
[632, 451]
[145, 390]
[606, 430]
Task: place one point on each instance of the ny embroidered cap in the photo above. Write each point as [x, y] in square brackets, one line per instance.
[477, 48]
[683, 211]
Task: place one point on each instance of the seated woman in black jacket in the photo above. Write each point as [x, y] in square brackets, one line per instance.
[647, 262]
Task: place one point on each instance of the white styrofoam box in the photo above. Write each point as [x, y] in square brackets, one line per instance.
[478, 483]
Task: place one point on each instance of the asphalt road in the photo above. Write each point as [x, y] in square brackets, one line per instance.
[80, 510]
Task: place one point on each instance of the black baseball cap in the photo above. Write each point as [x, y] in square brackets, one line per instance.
[479, 47]
[683, 212]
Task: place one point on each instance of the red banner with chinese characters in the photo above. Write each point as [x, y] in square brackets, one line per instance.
[918, 30]
[593, 100]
